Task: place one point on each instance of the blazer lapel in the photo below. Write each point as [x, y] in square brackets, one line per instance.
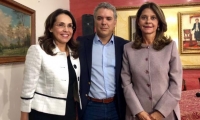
[88, 45]
[117, 58]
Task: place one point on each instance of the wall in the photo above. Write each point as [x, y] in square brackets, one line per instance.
[80, 7]
[171, 14]
[11, 75]
[87, 7]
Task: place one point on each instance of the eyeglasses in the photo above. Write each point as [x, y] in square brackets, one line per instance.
[63, 26]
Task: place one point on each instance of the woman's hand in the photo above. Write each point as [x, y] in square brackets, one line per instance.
[24, 116]
[157, 115]
[144, 116]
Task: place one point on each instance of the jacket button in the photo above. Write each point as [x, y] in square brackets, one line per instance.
[89, 83]
[148, 85]
[86, 95]
[75, 66]
[150, 98]
[147, 71]
[146, 59]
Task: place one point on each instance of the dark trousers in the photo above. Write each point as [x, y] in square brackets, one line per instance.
[100, 111]
[35, 115]
[197, 35]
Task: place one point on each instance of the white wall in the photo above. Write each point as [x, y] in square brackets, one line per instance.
[11, 75]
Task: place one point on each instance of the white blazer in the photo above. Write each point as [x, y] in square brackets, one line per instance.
[46, 81]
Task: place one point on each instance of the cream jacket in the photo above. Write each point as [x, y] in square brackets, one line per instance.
[46, 81]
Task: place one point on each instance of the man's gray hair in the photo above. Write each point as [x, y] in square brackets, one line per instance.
[107, 6]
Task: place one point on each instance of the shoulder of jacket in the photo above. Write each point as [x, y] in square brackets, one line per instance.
[121, 39]
[80, 38]
[35, 48]
[129, 44]
[172, 43]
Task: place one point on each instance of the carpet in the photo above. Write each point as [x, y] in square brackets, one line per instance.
[189, 105]
[191, 79]
[190, 45]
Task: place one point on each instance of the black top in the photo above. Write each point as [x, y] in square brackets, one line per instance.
[70, 106]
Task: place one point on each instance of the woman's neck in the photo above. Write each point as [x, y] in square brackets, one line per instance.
[148, 39]
[62, 47]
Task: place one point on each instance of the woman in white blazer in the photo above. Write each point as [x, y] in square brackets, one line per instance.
[52, 70]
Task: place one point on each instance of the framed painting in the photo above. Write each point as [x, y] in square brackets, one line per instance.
[17, 31]
[132, 27]
[189, 32]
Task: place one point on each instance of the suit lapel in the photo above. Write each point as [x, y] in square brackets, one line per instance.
[88, 45]
[117, 58]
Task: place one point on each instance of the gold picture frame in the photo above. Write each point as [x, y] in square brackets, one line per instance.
[132, 27]
[189, 34]
[17, 31]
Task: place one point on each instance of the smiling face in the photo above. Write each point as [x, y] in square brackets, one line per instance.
[104, 22]
[148, 22]
[62, 29]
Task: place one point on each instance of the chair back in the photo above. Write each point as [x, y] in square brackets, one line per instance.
[187, 34]
[184, 88]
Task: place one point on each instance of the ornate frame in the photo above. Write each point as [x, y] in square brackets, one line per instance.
[187, 42]
[8, 8]
[132, 27]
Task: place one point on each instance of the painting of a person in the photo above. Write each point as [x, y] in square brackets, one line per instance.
[196, 28]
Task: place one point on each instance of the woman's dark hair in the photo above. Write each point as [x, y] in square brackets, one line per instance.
[160, 40]
[46, 41]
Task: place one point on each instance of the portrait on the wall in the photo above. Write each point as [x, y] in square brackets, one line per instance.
[189, 32]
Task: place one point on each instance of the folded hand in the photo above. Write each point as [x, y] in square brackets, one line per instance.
[156, 115]
[144, 116]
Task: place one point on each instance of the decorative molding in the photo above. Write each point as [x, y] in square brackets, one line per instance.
[191, 66]
[163, 6]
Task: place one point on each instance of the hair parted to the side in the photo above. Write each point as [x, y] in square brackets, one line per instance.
[160, 40]
[106, 5]
[197, 19]
[46, 41]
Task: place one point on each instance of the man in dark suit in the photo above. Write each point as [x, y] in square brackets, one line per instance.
[100, 57]
[196, 27]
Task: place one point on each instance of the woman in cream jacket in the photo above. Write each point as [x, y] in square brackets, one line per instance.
[52, 70]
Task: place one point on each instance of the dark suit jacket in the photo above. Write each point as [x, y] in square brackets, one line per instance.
[85, 56]
[194, 26]
[196, 33]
